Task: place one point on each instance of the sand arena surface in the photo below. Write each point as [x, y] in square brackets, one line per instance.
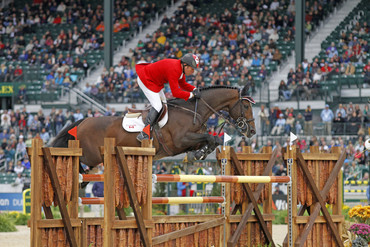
[21, 238]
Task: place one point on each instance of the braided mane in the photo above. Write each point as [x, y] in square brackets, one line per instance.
[217, 87]
[181, 102]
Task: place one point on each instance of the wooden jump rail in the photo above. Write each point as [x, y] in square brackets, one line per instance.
[163, 200]
[219, 179]
[55, 179]
[198, 178]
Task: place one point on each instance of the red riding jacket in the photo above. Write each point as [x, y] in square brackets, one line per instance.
[155, 75]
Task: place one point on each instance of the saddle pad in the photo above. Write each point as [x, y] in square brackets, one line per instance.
[133, 122]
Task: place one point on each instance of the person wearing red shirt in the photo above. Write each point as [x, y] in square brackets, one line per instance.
[152, 77]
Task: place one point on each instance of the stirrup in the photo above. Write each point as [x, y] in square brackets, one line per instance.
[142, 136]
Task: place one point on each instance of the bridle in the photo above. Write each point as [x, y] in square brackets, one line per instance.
[242, 123]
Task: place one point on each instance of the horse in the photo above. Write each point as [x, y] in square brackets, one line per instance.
[181, 133]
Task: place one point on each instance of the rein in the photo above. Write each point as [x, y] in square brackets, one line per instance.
[185, 109]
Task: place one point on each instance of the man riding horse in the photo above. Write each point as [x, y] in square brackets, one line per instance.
[152, 77]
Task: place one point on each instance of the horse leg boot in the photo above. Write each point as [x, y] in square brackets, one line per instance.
[202, 153]
[151, 119]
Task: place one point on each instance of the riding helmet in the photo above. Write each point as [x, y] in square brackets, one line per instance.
[191, 60]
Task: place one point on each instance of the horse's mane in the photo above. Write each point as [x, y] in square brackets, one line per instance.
[181, 102]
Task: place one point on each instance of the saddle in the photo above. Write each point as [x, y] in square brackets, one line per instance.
[134, 119]
[144, 112]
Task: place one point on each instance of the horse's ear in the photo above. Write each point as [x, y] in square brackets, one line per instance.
[245, 90]
[250, 99]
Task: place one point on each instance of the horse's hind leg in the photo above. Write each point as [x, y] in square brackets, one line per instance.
[91, 155]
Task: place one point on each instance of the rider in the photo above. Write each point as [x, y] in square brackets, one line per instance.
[152, 77]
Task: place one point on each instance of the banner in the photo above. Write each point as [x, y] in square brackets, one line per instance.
[7, 89]
[11, 202]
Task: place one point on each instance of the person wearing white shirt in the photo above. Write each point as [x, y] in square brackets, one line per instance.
[327, 117]
[45, 135]
[78, 115]
[274, 5]
[279, 125]
[19, 168]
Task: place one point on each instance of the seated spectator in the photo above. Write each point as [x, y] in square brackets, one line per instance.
[18, 71]
[10, 167]
[332, 51]
[350, 69]
[354, 171]
[277, 56]
[26, 163]
[10, 74]
[279, 125]
[278, 191]
[19, 168]
[3, 72]
[45, 136]
[256, 62]
[281, 171]
[289, 123]
[354, 123]
[338, 124]
[284, 91]
[263, 72]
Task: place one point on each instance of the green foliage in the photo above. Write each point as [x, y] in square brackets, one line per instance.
[22, 219]
[6, 224]
[216, 189]
[87, 209]
[160, 191]
[279, 217]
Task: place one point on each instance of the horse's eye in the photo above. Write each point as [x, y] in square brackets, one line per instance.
[246, 106]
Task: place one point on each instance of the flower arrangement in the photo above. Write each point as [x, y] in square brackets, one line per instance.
[361, 230]
[360, 213]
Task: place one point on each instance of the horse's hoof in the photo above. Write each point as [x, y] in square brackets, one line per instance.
[190, 157]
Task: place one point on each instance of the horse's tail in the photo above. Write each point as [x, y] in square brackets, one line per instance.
[61, 140]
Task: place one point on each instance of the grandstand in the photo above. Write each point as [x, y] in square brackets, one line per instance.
[52, 70]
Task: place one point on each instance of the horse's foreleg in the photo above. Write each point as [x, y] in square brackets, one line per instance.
[208, 145]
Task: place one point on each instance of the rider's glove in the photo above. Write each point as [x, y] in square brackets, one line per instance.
[196, 93]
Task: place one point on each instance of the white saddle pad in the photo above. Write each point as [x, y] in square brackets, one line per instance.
[133, 122]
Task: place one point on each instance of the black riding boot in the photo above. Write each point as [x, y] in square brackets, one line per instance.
[150, 120]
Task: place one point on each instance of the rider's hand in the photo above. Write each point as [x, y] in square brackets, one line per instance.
[196, 93]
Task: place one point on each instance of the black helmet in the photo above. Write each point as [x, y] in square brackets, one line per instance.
[191, 60]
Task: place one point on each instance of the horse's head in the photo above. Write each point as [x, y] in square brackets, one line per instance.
[241, 111]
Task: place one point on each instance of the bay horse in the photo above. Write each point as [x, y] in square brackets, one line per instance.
[179, 135]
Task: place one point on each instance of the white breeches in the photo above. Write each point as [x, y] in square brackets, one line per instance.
[155, 99]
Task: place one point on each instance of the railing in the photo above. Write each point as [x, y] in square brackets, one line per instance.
[86, 99]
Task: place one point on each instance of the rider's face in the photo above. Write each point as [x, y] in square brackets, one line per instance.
[188, 70]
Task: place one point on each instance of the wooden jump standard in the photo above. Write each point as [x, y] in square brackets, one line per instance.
[55, 181]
